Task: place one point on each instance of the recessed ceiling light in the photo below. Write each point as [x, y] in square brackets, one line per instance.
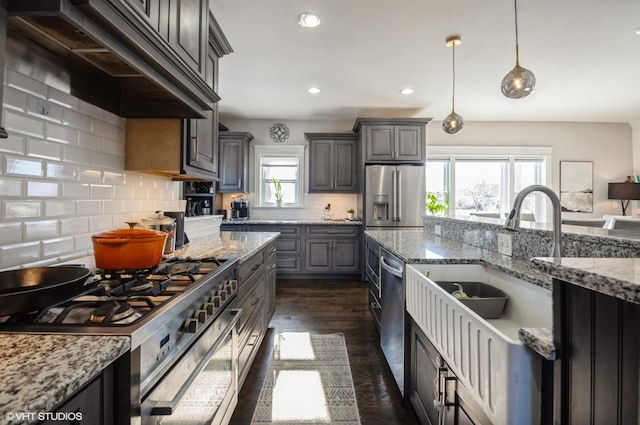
[308, 20]
[406, 91]
[313, 90]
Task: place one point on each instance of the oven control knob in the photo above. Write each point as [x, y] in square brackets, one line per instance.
[222, 294]
[201, 315]
[216, 301]
[234, 284]
[209, 308]
[229, 288]
[191, 325]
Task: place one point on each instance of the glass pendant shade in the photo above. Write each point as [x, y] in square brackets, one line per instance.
[453, 123]
[518, 83]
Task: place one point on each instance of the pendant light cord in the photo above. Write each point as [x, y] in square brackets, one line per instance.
[515, 8]
[453, 91]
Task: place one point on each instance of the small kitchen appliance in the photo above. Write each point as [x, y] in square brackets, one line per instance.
[178, 216]
[239, 209]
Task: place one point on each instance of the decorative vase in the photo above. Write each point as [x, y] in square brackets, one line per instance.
[350, 216]
[279, 202]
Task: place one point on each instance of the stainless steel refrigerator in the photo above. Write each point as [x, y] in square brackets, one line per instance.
[395, 195]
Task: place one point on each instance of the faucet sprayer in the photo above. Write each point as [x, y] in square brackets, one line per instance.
[513, 221]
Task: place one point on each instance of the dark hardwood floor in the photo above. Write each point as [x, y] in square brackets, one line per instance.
[329, 307]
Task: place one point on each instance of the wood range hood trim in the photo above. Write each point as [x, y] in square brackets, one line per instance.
[112, 48]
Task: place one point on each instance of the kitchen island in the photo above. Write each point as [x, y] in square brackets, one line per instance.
[596, 317]
[40, 372]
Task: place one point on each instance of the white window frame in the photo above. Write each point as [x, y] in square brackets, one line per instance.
[508, 153]
[279, 151]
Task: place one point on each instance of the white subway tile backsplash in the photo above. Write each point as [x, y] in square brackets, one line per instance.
[90, 141]
[17, 254]
[57, 247]
[88, 207]
[39, 230]
[42, 189]
[59, 208]
[11, 188]
[74, 225]
[60, 171]
[17, 210]
[41, 263]
[15, 99]
[113, 147]
[90, 110]
[61, 133]
[23, 124]
[38, 148]
[10, 233]
[26, 84]
[112, 207]
[89, 175]
[16, 166]
[75, 190]
[44, 109]
[62, 176]
[82, 243]
[14, 144]
[76, 120]
[102, 191]
[100, 223]
[63, 99]
[76, 155]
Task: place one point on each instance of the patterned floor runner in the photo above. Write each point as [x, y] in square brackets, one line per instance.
[308, 382]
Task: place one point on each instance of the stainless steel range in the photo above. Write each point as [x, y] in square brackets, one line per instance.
[182, 326]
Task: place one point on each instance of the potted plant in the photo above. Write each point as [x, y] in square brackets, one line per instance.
[277, 184]
[435, 207]
[350, 212]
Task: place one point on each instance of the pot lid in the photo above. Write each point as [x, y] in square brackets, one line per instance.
[129, 234]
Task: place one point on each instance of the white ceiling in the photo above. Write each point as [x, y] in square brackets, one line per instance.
[585, 54]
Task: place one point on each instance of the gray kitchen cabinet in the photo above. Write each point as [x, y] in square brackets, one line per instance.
[234, 161]
[270, 282]
[288, 246]
[250, 298]
[333, 162]
[392, 140]
[332, 249]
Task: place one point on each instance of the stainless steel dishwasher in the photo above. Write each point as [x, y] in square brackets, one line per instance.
[392, 317]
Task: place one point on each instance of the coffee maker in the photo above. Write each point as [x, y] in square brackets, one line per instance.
[239, 209]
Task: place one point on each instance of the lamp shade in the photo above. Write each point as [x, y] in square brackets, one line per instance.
[624, 191]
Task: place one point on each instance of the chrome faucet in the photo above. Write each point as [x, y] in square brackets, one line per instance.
[513, 221]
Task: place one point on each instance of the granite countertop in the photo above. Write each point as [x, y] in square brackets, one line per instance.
[419, 247]
[616, 277]
[319, 221]
[41, 371]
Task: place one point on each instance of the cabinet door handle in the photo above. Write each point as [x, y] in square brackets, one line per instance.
[239, 182]
[194, 155]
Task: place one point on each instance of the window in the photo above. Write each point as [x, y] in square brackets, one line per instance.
[285, 163]
[484, 181]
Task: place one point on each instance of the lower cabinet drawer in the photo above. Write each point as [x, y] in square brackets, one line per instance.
[249, 342]
[250, 304]
[288, 264]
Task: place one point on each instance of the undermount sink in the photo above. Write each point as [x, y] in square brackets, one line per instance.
[485, 354]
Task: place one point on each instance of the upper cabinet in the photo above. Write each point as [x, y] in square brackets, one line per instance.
[183, 149]
[389, 140]
[151, 54]
[234, 161]
[333, 162]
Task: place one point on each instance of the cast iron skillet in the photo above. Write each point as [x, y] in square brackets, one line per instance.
[30, 289]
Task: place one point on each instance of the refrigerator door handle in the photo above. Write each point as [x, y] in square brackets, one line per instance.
[399, 195]
[394, 201]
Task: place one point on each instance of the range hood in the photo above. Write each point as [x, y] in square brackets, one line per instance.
[111, 60]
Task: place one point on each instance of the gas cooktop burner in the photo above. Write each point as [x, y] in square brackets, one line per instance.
[113, 312]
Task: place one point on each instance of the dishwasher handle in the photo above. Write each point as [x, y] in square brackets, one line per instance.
[390, 268]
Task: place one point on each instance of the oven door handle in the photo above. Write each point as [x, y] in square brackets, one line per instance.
[164, 408]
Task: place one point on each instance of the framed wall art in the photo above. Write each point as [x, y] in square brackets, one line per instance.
[576, 186]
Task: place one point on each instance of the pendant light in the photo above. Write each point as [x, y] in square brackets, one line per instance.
[519, 82]
[453, 123]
